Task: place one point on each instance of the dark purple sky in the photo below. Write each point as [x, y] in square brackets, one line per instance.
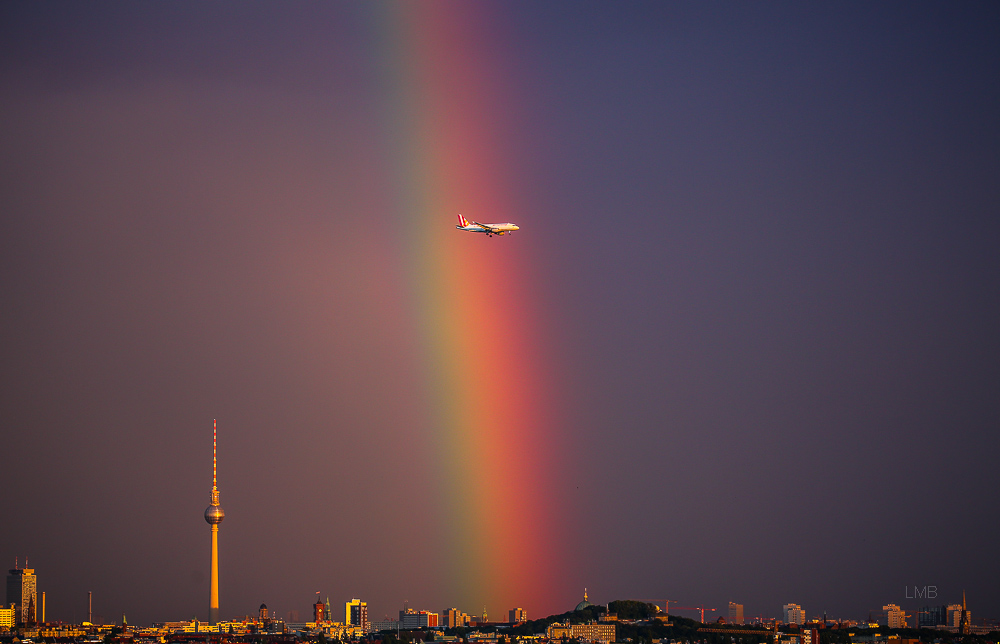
[766, 236]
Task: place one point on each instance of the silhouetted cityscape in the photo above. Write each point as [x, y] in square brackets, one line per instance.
[23, 620]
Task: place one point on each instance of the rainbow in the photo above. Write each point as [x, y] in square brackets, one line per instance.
[481, 343]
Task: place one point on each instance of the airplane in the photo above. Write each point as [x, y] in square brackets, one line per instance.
[489, 229]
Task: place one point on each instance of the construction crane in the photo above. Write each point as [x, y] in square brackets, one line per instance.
[701, 608]
[916, 617]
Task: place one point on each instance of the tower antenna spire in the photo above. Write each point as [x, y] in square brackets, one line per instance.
[214, 459]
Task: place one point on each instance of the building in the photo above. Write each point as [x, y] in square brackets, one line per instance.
[735, 613]
[22, 591]
[63, 632]
[342, 632]
[893, 616]
[8, 618]
[452, 617]
[410, 619]
[931, 616]
[386, 624]
[356, 614]
[953, 614]
[518, 616]
[319, 610]
[794, 614]
[806, 636]
[558, 631]
[214, 516]
[593, 632]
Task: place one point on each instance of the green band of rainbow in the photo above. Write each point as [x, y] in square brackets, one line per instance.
[481, 341]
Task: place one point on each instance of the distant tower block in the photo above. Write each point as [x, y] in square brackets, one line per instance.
[21, 591]
[735, 613]
[214, 516]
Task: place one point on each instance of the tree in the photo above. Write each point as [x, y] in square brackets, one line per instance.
[632, 609]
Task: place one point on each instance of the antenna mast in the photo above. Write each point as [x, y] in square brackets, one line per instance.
[215, 485]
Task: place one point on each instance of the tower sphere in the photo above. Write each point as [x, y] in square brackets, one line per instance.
[214, 514]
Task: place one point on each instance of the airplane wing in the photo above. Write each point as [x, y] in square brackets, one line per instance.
[485, 227]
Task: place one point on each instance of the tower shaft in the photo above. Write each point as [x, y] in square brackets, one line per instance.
[213, 604]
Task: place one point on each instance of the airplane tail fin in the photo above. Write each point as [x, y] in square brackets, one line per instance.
[462, 221]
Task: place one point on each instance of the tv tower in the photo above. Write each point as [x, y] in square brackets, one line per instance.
[214, 515]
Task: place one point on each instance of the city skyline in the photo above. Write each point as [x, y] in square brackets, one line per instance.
[23, 582]
[742, 348]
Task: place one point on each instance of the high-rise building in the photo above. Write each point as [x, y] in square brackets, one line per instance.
[21, 590]
[894, 616]
[356, 613]
[452, 617]
[518, 616]
[214, 516]
[735, 613]
[931, 616]
[954, 615]
[793, 614]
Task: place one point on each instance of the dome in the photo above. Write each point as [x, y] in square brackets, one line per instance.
[263, 607]
[214, 514]
[584, 603]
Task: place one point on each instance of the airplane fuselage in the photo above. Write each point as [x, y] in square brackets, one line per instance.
[490, 229]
